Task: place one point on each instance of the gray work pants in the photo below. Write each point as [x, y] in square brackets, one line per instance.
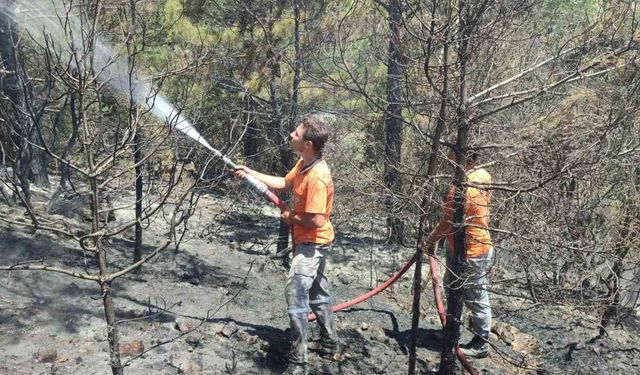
[307, 288]
[474, 291]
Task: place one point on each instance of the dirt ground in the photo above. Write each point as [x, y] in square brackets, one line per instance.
[223, 284]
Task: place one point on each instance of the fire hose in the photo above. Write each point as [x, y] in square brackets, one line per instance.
[262, 189]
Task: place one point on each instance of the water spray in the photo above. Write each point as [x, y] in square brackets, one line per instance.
[59, 25]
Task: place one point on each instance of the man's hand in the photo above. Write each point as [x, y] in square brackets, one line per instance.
[272, 182]
[241, 171]
[286, 216]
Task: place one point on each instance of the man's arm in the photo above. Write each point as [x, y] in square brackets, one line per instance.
[443, 227]
[272, 182]
[441, 230]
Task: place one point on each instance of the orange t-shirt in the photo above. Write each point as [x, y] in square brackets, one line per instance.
[312, 194]
[476, 215]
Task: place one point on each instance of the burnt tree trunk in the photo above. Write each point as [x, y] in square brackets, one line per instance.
[75, 125]
[393, 125]
[285, 126]
[105, 286]
[137, 138]
[137, 159]
[425, 204]
[29, 163]
[297, 67]
[277, 127]
[454, 300]
[286, 155]
[448, 362]
[100, 252]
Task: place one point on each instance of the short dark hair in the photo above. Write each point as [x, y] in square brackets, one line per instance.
[315, 130]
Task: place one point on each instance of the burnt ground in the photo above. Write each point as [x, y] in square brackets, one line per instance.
[223, 284]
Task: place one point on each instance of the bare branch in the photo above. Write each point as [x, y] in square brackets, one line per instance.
[30, 267]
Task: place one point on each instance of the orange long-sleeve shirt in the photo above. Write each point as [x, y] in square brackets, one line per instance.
[476, 216]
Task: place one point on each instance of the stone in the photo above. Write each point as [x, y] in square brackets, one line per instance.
[364, 326]
[193, 340]
[191, 273]
[185, 365]
[526, 344]
[46, 355]
[252, 339]
[186, 324]
[131, 348]
[378, 334]
[229, 329]
[505, 332]
[265, 346]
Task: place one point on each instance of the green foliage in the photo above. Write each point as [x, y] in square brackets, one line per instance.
[180, 27]
[564, 15]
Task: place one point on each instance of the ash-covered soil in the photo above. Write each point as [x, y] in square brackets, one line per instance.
[216, 306]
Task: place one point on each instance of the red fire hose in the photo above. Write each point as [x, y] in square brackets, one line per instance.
[371, 293]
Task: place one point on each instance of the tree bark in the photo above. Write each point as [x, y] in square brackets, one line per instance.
[137, 139]
[105, 286]
[424, 207]
[30, 163]
[393, 124]
[297, 67]
[277, 127]
[137, 159]
[448, 362]
[15, 106]
[75, 126]
[285, 127]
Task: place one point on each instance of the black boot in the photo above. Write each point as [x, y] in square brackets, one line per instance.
[478, 347]
[324, 346]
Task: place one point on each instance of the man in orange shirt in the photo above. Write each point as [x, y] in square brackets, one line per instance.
[479, 251]
[307, 286]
